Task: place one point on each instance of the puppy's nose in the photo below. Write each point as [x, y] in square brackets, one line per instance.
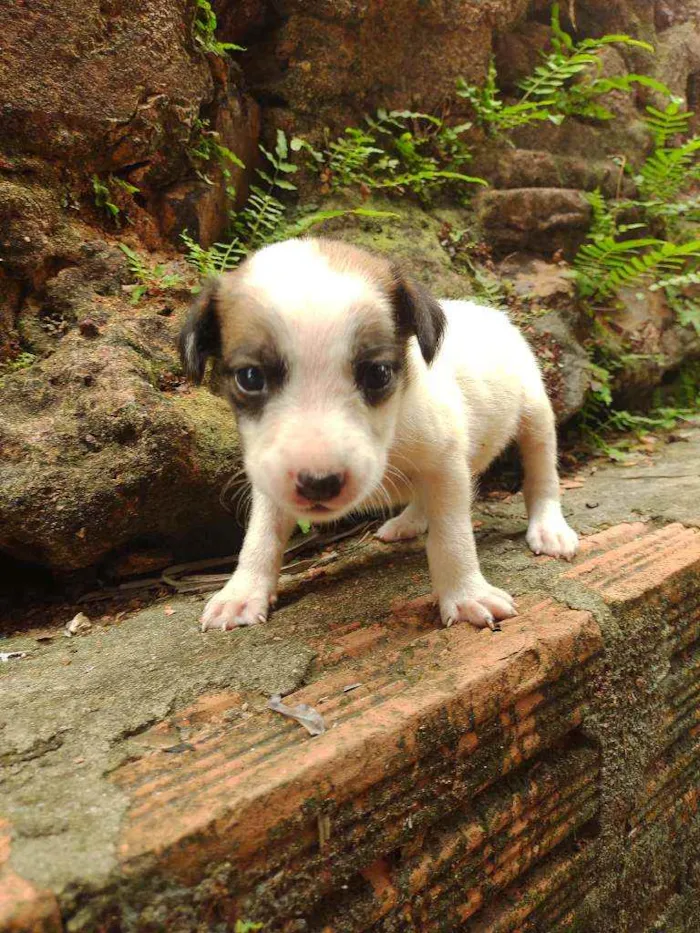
[319, 488]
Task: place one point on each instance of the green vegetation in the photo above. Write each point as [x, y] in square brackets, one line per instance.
[204, 31]
[149, 279]
[103, 191]
[263, 218]
[665, 257]
[206, 148]
[400, 150]
[566, 83]
[21, 361]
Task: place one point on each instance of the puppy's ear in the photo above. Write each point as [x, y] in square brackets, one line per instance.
[417, 312]
[199, 338]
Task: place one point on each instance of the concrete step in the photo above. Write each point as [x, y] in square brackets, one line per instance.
[543, 778]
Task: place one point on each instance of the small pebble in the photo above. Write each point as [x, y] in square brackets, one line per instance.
[88, 328]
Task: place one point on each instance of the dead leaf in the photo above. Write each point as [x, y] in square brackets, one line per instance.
[305, 715]
[80, 624]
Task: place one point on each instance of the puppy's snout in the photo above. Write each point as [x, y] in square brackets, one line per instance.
[319, 488]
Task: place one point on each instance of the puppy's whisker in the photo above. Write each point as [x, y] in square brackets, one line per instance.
[240, 503]
[398, 455]
[236, 478]
[233, 501]
[392, 493]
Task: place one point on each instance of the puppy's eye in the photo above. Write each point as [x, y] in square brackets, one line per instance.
[374, 378]
[250, 379]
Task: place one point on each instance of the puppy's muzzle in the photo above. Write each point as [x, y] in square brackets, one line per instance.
[316, 488]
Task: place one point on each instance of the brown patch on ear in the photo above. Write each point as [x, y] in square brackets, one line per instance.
[417, 313]
[200, 338]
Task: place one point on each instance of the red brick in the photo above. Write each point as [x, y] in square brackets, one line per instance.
[23, 907]
[233, 792]
[642, 566]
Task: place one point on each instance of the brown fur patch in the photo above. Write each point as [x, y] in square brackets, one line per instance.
[348, 258]
[246, 324]
[416, 312]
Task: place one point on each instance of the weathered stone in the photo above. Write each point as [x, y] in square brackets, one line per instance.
[237, 21]
[23, 907]
[599, 142]
[121, 88]
[10, 302]
[546, 283]
[153, 471]
[115, 84]
[601, 17]
[677, 58]
[563, 361]
[200, 206]
[525, 168]
[647, 330]
[34, 235]
[518, 52]
[330, 63]
[536, 219]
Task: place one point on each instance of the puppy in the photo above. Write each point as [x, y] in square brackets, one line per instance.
[353, 387]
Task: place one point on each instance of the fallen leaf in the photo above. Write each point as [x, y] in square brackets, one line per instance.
[78, 625]
[305, 715]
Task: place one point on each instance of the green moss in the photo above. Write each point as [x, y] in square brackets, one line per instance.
[211, 422]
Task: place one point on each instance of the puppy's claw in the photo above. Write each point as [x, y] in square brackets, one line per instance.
[483, 606]
[227, 612]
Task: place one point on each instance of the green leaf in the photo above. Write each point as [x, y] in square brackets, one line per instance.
[318, 217]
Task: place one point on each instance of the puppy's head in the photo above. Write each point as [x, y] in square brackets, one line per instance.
[313, 342]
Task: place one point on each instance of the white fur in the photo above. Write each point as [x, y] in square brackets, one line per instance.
[421, 448]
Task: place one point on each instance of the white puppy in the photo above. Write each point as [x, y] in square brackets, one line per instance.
[353, 387]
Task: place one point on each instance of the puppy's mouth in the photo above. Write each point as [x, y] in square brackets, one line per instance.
[324, 511]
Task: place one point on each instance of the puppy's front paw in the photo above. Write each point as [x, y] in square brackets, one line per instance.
[236, 605]
[402, 528]
[551, 535]
[481, 605]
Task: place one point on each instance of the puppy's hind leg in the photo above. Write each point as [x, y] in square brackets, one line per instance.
[408, 524]
[548, 531]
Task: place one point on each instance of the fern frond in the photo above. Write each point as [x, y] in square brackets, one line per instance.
[217, 259]
[667, 171]
[607, 265]
[665, 124]
[682, 280]
[688, 209]
[603, 223]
